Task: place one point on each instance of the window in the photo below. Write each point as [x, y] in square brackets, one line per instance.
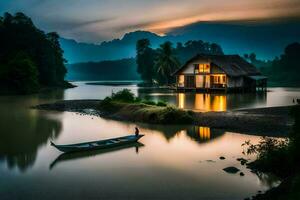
[181, 80]
[202, 68]
[220, 79]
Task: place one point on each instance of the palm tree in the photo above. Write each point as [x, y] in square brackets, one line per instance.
[166, 62]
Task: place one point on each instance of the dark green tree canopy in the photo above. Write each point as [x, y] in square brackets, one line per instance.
[145, 60]
[283, 70]
[18, 35]
[166, 62]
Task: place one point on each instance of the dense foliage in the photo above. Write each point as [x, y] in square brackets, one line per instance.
[283, 71]
[165, 63]
[157, 65]
[145, 60]
[29, 58]
[124, 104]
[281, 157]
[126, 96]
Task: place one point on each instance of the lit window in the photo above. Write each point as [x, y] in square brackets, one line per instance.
[202, 68]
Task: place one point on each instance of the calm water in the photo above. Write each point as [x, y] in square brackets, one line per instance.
[178, 162]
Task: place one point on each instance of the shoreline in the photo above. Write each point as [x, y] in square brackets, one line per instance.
[269, 121]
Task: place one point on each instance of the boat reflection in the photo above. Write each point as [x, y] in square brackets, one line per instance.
[79, 155]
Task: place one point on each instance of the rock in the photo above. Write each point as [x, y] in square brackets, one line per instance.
[242, 174]
[231, 170]
[222, 158]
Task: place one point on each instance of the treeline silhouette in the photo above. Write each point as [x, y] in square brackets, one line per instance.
[157, 65]
[124, 69]
[29, 58]
[283, 70]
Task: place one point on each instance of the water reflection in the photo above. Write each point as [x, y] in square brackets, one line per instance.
[217, 102]
[196, 133]
[79, 155]
[173, 155]
[24, 130]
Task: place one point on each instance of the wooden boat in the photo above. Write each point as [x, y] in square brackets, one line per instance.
[69, 156]
[101, 144]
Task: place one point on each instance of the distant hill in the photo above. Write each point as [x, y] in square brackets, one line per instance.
[267, 40]
[112, 50]
[124, 69]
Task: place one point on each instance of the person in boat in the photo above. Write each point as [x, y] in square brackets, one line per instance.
[137, 131]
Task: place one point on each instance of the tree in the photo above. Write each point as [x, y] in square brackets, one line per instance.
[19, 34]
[21, 74]
[166, 63]
[194, 47]
[145, 60]
[252, 57]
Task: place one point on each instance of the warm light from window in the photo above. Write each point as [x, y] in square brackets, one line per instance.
[204, 133]
[219, 79]
[181, 100]
[202, 68]
[181, 80]
[219, 103]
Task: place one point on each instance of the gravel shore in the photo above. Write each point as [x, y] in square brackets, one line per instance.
[270, 121]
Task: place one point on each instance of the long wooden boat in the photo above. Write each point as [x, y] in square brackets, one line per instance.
[100, 144]
[69, 156]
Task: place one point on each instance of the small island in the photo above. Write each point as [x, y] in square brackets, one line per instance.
[124, 106]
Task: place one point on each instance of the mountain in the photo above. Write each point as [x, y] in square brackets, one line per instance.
[267, 40]
[111, 50]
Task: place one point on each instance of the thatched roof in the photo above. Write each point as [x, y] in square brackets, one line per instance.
[232, 65]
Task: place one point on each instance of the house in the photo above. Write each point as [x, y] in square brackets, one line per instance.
[219, 72]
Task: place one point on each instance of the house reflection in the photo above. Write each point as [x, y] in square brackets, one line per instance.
[203, 102]
[203, 134]
[197, 133]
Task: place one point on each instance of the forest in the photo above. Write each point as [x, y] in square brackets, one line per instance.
[123, 69]
[156, 65]
[30, 59]
[283, 70]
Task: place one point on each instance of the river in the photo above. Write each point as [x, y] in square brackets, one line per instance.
[171, 162]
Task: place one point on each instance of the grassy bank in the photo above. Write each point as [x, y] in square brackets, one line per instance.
[124, 105]
[282, 158]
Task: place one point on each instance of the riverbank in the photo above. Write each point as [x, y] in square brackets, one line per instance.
[272, 121]
[9, 90]
[281, 158]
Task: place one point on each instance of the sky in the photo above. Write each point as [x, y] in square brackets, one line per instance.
[100, 20]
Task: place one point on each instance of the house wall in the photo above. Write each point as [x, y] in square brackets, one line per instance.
[190, 68]
[235, 82]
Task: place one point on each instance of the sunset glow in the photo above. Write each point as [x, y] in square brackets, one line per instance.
[92, 20]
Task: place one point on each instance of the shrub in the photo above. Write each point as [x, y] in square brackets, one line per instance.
[173, 115]
[124, 95]
[161, 103]
[149, 102]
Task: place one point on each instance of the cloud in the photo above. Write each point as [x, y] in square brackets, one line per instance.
[96, 20]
